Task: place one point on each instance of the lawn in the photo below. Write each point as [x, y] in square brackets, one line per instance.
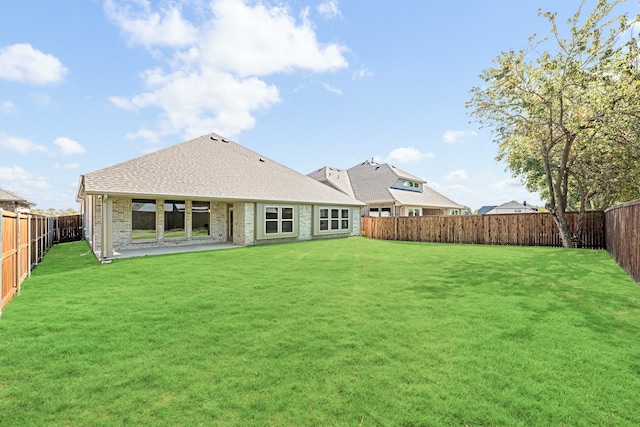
[340, 332]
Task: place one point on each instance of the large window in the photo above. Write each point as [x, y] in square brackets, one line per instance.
[174, 219]
[331, 220]
[143, 219]
[276, 221]
[200, 217]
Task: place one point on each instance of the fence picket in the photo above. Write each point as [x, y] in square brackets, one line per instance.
[24, 239]
[533, 229]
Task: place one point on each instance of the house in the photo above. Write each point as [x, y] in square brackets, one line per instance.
[387, 190]
[511, 208]
[14, 203]
[483, 210]
[208, 190]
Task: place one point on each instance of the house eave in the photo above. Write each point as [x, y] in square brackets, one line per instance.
[219, 199]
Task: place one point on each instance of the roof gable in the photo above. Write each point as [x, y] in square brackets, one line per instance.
[210, 167]
[512, 207]
[8, 196]
[335, 178]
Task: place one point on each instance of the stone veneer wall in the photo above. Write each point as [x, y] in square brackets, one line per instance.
[243, 227]
[305, 223]
[122, 219]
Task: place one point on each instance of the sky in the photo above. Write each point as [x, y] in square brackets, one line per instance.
[86, 84]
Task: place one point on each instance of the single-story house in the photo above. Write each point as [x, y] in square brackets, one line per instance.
[208, 190]
[511, 207]
[12, 202]
[387, 190]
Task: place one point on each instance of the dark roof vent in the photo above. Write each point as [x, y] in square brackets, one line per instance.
[225, 140]
[213, 138]
[262, 160]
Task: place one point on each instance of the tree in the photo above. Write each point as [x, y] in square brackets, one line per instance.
[566, 119]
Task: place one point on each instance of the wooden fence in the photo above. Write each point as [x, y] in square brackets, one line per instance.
[623, 236]
[533, 229]
[67, 228]
[24, 239]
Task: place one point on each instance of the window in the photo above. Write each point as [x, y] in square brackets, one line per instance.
[413, 211]
[385, 212]
[200, 217]
[143, 219]
[331, 220]
[410, 184]
[276, 221]
[174, 219]
[374, 212]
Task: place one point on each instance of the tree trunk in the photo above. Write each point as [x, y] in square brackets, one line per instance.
[559, 217]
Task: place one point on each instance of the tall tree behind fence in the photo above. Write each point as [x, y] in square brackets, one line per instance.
[533, 229]
[24, 239]
[623, 236]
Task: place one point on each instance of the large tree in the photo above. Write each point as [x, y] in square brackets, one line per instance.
[565, 113]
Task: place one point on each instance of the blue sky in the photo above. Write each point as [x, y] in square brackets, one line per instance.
[88, 84]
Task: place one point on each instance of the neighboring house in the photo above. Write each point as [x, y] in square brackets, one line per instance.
[208, 190]
[14, 203]
[483, 210]
[511, 208]
[387, 190]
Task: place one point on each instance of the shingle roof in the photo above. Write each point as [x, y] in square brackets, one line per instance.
[428, 197]
[210, 167]
[335, 178]
[8, 196]
[372, 182]
[510, 207]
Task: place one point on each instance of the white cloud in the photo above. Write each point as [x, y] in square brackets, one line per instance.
[20, 145]
[456, 175]
[407, 155]
[455, 136]
[332, 89]
[263, 40]
[41, 99]
[329, 9]
[67, 166]
[22, 63]
[7, 107]
[23, 178]
[213, 83]
[362, 73]
[68, 147]
[191, 104]
[144, 27]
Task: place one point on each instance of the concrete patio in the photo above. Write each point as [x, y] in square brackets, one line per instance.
[131, 253]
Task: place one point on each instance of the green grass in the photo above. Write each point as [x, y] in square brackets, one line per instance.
[139, 234]
[341, 332]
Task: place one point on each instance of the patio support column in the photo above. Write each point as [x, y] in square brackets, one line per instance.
[106, 241]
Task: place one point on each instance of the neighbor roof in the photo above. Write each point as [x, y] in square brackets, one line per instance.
[371, 182]
[209, 167]
[428, 197]
[335, 178]
[512, 205]
[8, 196]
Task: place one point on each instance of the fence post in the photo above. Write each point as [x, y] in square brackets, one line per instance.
[29, 245]
[1, 276]
[18, 254]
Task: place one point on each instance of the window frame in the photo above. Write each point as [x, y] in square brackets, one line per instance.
[155, 220]
[335, 215]
[207, 225]
[170, 212]
[285, 215]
